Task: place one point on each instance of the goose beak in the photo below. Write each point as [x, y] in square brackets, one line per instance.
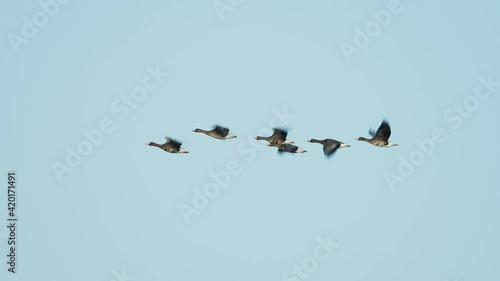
[308, 140]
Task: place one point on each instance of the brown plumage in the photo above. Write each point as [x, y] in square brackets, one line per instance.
[381, 136]
[278, 137]
[170, 145]
[217, 132]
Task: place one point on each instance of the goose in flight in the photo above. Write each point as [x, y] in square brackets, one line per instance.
[381, 136]
[278, 137]
[217, 132]
[329, 145]
[286, 147]
[170, 145]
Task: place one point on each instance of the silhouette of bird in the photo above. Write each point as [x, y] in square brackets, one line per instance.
[217, 132]
[278, 137]
[381, 136]
[286, 147]
[170, 145]
[329, 145]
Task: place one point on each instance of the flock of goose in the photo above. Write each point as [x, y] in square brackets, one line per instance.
[278, 139]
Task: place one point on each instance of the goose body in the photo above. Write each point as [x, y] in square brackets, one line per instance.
[278, 137]
[381, 136]
[217, 132]
[170, 145]
[286, 147]
[329, 145]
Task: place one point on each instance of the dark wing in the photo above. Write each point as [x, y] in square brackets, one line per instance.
[330, 147]
[372, 132]
[384, 131]
[173, 143]
[279, 135]
[221, 130]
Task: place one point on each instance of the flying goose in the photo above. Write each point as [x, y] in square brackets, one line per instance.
[278, 137]
[286, 147]
[381, 136]
[217, 132]
[329, 145]
[170, 145]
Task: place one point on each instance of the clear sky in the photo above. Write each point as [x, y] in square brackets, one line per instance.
[425, 210]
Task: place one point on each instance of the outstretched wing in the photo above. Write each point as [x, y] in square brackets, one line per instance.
[173, 143]
[279, 135]
[330, 148]
[221, 130]
[384, 131]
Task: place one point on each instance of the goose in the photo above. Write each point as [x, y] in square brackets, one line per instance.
[278, 137]
[381, 136]
[170, 145]
[217, 132]
[329, 145]
[286, 147]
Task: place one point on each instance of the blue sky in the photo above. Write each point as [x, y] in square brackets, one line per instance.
[117, 211]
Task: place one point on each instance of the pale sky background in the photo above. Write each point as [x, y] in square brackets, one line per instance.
[119, 208]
